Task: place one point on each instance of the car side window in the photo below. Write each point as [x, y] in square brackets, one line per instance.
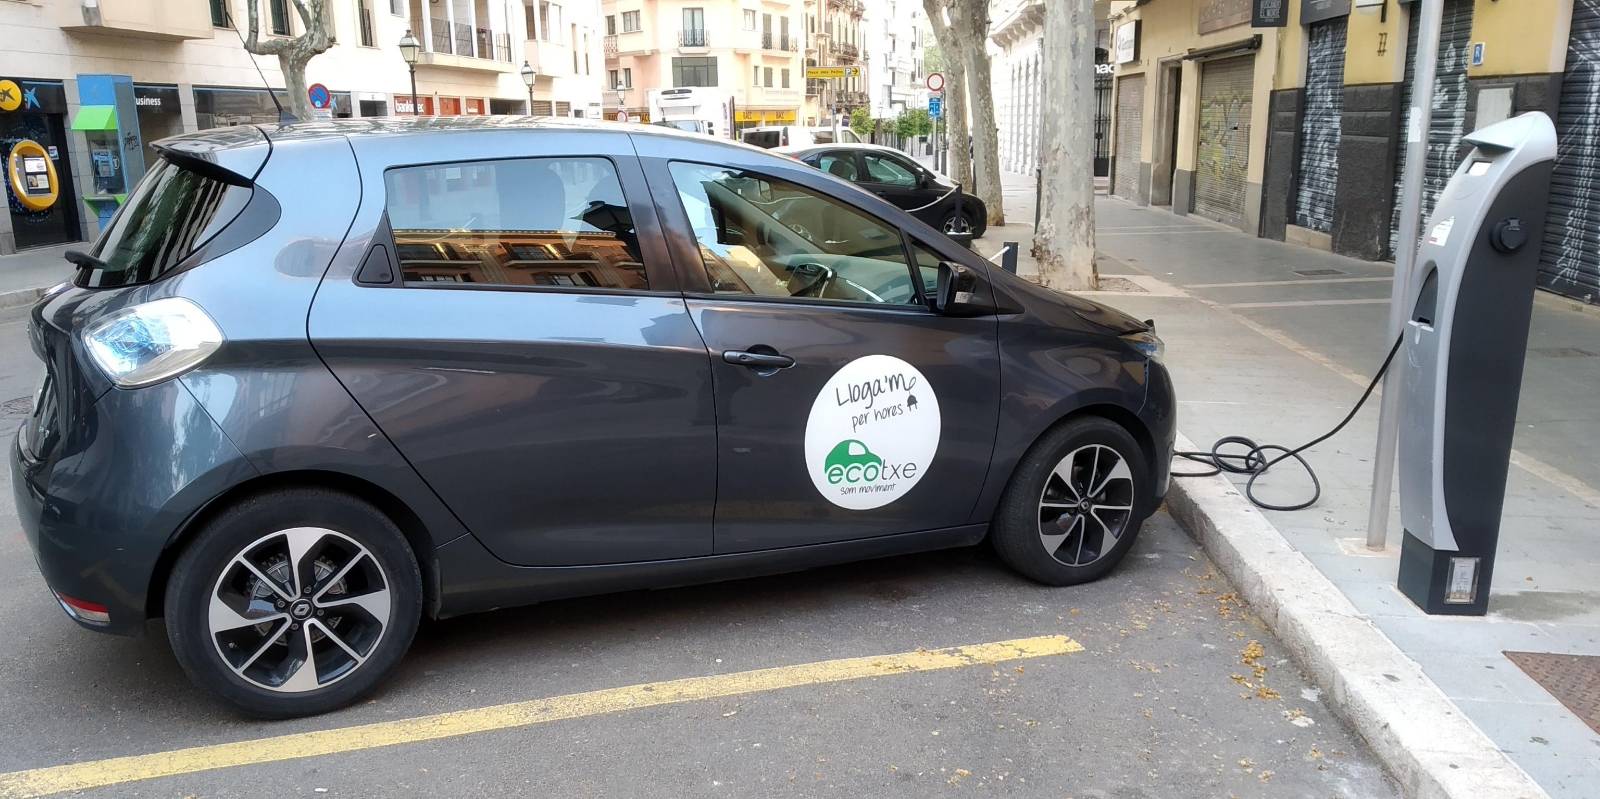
[839, 165]
[768, 237]
[881, 169]
[542, 222]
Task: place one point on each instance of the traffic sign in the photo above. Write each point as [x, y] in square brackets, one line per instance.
[935, 106]
[935, 81]
[622, 116]
[320, 96]
[818, 73]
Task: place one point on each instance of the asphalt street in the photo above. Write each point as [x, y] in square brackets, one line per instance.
[1170, 687]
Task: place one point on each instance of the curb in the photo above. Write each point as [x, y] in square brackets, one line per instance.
[1429, 747]
[13, 303]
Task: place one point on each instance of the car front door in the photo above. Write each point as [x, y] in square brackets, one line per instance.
[846, 408]
[527, 347]
[894, 179]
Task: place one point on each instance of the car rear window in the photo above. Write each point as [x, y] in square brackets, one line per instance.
[762, 138]
[171, 213]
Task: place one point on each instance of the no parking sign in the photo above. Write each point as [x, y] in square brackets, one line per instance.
[321, 101]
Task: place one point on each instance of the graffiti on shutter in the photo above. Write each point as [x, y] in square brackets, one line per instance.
[1223, 153]
[1319, 127]
[1130, 119]
[1570, 263]
[1449, 108]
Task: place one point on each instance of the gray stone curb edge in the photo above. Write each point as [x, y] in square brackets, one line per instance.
[1428, 745]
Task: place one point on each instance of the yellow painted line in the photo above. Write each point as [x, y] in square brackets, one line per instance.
[119, 770]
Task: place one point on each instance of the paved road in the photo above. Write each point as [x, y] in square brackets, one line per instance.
[1177, 691]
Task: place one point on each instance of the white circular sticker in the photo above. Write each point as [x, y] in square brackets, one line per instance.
[872, 433]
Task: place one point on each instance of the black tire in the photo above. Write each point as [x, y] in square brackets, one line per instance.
[1021, 518]
[975, 224]
[259, 525]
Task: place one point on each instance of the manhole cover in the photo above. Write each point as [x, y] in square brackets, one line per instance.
[1574, 680]
[1563, 352]
[21, 406]
[1318, 272]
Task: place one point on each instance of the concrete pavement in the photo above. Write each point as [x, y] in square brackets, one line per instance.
[1275, 342]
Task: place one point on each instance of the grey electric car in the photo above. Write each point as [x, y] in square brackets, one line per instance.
[317, 382]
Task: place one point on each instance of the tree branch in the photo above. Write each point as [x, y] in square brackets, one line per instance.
[252, 41]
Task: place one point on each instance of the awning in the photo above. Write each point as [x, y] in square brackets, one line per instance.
[95, 117]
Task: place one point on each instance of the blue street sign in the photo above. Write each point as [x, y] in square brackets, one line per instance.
[935, 107]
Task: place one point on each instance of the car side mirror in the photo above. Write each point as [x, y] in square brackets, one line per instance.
[953, 294]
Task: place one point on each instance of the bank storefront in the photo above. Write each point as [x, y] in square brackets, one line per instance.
[41, 206]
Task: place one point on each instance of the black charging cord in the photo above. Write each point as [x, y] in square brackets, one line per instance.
[1253, 461]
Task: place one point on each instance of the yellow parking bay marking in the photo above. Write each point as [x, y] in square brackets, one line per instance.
[119, 770]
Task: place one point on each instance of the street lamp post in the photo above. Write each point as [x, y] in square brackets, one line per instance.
[409, 50]
[622, 98]
[529, 75]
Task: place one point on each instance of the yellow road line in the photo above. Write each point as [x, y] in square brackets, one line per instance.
[119, 770]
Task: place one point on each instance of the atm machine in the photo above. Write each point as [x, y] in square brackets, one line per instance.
[1461, 367]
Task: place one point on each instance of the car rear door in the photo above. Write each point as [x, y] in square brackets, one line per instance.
[517, 330]
[894, 179]
[846, 409]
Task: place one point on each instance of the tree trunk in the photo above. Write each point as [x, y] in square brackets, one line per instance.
[298, 103]
[1064, 240]
[970, 24]
[955, 93]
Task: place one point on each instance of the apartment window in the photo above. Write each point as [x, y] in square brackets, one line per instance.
[694, 71]
[630, 22]
[613, 78]
[219, 14]
[694, 28]
[572, 41]
[549, 16]
[364, 22]
[766, 77]
[586, 64]
[611, 24]
[783, 33]
[749, 19]
[278, 13]
[627, 77]
[755, 76]
[397, 7]
[785, 77]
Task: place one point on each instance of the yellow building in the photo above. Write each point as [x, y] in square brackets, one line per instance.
[1293, 131]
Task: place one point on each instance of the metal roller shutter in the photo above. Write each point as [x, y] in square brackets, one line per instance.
[1449, 107]
[1130, 127]
[1319, 126]
[1223, 154]
[1570, 263]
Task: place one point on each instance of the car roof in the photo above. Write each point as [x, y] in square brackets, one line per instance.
[799, 149]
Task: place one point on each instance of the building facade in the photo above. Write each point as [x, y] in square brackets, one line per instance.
[1016, 53]
[748, 49]
[1295, 132]
[836, 37]
[895, 78]
[101, 80]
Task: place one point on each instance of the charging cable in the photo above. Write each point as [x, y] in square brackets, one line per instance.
[1253, 461]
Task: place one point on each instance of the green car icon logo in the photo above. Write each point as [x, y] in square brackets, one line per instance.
[851, 462]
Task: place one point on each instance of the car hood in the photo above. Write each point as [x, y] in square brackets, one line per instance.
[1056, 306]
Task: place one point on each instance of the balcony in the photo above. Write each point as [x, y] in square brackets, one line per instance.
[844, 50]
[784, 44]
[458, 45]
[692, 37]
[164, 20]
[851, 98]
[609, 44]
[814, 88]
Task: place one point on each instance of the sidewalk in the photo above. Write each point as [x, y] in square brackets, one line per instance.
[25, 275]
[1275, 342]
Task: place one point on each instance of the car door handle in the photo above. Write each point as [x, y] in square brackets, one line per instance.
[757, 360]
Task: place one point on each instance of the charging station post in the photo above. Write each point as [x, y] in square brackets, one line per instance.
[1461, 372]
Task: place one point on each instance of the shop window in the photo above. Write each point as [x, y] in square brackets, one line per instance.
[694, 71]
[531, 222]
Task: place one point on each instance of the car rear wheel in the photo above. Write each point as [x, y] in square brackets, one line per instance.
[965, 221]
[294, 602]
[1075, 504]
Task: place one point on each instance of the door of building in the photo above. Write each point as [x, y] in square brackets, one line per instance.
[1130, 128]
[1319, 126]
[1102, 118]
[1222, 155]
[1449, 120]
[1570, 264]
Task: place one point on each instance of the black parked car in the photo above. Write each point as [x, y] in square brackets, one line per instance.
[892, 175]
[478, 363]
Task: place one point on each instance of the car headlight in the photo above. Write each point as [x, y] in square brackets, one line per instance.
[1148, 343]
[151, 342]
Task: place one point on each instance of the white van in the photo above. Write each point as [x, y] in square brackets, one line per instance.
[794, 136]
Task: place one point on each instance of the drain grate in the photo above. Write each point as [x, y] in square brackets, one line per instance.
[1319, 272]
[1574, 680]
[1563, 352]
[21, 406]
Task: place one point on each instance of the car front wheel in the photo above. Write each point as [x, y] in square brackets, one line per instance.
[1075, 504]
[294, 602]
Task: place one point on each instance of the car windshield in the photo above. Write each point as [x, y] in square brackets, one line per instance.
[690, 125]
[761, 138]
[169, 215]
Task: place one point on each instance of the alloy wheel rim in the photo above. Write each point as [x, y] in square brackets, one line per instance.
[956, 223]
[299, 609]
[1086, 504]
